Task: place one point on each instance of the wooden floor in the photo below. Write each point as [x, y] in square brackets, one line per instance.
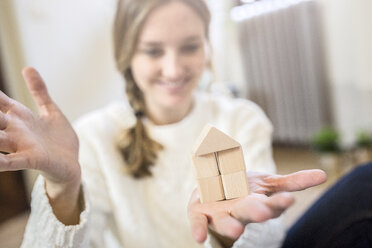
[287, 159]
[11, 231]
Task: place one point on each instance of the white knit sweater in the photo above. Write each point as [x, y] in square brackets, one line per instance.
[123, 212]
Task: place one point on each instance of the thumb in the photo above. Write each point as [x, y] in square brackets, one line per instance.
[38, 89]
[198, 221]
[199, 226]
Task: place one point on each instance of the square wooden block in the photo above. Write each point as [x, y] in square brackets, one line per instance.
[210, 189]
[231, 160]
[235, 185]
[205, 165]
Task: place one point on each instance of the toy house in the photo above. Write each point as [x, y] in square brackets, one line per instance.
[219, 166]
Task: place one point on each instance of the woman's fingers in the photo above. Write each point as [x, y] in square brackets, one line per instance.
[199, 226]
[6, 144]
[13, 162]
[296, 181]
[3, 121]
[38, 90]
[250, 209]
[213, 214]
[5, 102]
[254, 209]
[198, 220]
[227, 225]
[4, 163]
[279, 202]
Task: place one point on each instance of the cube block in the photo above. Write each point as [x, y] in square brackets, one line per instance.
[231, 160]
[235, 185]
[205, 166]
[210, 189]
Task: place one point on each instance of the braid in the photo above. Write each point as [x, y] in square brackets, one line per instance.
[139, 151]
[136, 146]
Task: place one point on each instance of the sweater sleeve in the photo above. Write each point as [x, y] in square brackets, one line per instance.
[212, 242]
[268, 234]
[45, 230]
[95, 230]
[255, 236]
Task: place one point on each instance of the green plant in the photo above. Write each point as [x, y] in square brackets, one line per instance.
[363, 139]
[326, 140]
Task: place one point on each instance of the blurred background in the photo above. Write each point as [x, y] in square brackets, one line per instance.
[307, 63]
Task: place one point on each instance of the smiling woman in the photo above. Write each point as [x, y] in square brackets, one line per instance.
[161, 70]
[122, 177]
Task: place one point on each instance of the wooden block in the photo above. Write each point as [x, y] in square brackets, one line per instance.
[205, 166]
[210, 189]
[222, 177]
[231, 161]
[212, 140]
[235, 185]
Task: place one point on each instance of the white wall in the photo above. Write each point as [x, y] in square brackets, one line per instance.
[11, 53]
[348, 31]
[69, 42]
[226, 54]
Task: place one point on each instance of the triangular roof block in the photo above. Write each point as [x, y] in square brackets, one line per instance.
[212, 140]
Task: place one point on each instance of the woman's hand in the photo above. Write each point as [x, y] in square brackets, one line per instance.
[268, 199]
[46, 143]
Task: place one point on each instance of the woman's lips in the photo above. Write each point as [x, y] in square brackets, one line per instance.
[173, 86]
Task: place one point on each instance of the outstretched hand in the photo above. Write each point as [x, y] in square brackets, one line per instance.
[44, 142]
[268, 199]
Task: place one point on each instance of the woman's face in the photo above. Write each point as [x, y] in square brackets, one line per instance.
[170, 57]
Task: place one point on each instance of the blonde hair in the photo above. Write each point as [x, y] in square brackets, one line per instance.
[138, 149]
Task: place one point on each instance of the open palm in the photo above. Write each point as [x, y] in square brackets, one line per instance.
[268, 199]
[44, 142]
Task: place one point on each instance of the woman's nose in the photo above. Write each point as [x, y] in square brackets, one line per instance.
[173, 68]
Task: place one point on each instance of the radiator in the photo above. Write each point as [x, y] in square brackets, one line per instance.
[283, 62]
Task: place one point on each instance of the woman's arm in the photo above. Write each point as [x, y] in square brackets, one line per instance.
[44, 142]
[61, 213]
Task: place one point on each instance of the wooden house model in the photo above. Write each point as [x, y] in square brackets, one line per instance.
[219, 166]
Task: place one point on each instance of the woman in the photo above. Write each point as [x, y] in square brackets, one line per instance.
[134, 157]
